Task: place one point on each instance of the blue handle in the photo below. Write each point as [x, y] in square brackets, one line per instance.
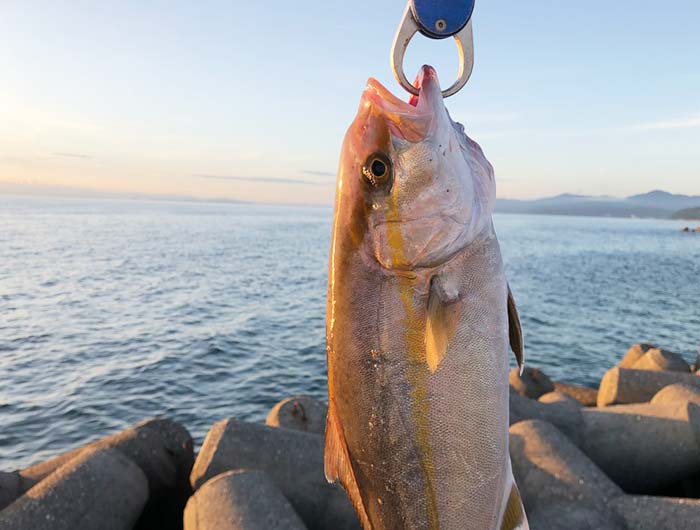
[439, 19]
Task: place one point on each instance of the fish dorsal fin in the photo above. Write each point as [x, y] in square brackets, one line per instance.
[514, 514]
[440, 325]
[515, 331]
[337, 464]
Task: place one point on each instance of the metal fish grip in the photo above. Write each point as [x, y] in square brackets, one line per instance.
[436, 19]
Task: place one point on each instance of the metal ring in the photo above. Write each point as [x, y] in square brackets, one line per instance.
[465, 46]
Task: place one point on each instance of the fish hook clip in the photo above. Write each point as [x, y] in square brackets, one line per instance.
[436, 19]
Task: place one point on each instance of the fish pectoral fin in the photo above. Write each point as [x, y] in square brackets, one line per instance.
[337, 466]
[515, 332]
[514, 517]
[440, 326]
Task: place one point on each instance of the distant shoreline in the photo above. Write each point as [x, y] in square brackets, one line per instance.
[655, 204]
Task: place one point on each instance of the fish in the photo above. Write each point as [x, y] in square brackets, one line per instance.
[419, 322]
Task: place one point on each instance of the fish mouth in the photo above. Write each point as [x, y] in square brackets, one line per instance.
[413, 119]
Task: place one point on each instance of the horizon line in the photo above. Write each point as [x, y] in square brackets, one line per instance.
[58, 190]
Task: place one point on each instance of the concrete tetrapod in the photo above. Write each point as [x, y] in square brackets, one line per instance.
[562, 489]
[100, 489]
[635, 353]
[658, 513]
[621, 385]
[302, 413]
[658, 359]
[566, 415]
[643, 447]
[292, 459]
[240, 500]
[559, 398]
[164, 451]
[11, 487]
[532, 383]
[677, 392]
[583, 394]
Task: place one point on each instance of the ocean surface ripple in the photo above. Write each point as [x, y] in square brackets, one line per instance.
[115, 311]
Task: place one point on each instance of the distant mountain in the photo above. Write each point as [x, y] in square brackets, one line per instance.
[657, 204]
[666, 200]
[687, 213]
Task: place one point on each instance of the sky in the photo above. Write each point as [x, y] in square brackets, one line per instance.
[251, 100]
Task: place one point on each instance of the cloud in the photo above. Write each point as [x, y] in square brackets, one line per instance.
[273, 180]
[71, 155]
[317, 173]
[689, 122]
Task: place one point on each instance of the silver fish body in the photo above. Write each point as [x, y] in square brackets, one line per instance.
[419, 322]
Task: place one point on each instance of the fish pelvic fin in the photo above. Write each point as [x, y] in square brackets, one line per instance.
[514, 517]
[440, 325]
[515, 332]
[337, 466]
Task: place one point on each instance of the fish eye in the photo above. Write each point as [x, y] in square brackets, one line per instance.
[377, 169]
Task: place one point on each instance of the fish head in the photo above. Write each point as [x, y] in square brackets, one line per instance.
[415, 188]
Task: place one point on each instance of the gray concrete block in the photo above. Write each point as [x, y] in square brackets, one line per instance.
[583, 394]
[570, 516]
[558, 397]
[100, 489]
[560, 486]
[635, 353]
[643, 447]
[658, 359]
[240, 500]
[620, 385]
[562, 489]
[292, 459]
[677, 392]
[565, 490]
[658, 513]
[565, 415]
[549, 468]
[163, 449]
[532, 383]
[11, 487]
[302, 413]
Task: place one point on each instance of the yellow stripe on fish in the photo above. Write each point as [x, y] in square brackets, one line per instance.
[416, 370]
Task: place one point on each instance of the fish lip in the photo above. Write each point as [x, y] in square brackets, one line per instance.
[376, 93]
[426, 80]
[424, 104]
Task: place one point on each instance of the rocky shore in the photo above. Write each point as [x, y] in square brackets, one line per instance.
[625, 456]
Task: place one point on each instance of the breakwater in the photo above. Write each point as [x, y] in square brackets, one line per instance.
[623, 456]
